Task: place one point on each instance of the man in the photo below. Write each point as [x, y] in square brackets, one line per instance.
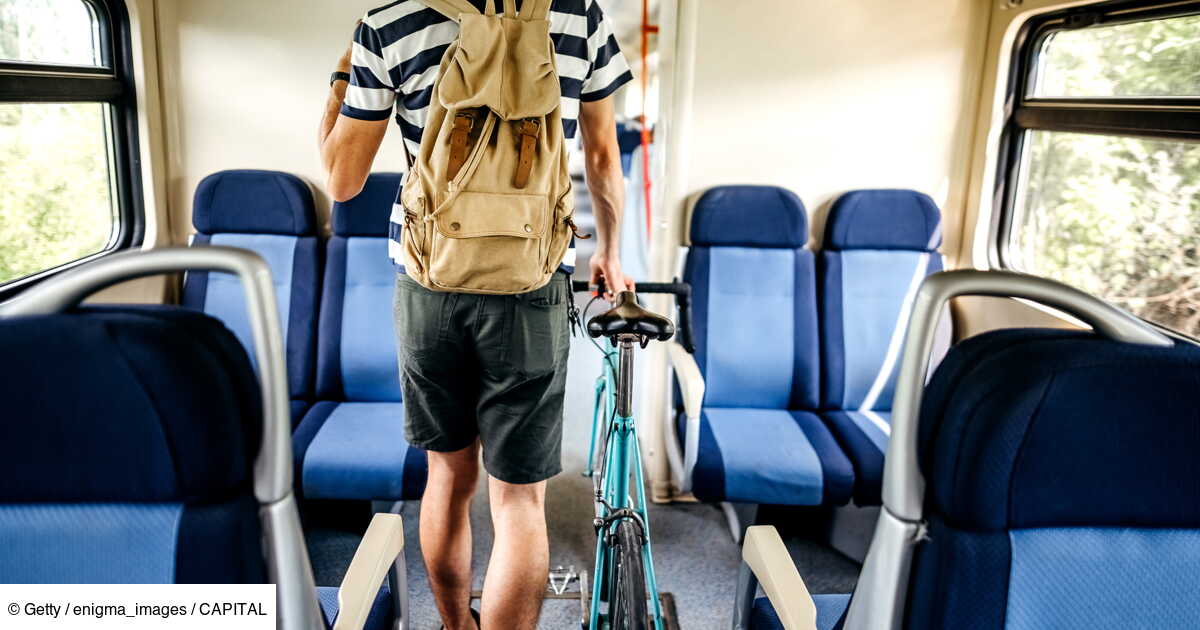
[481, 373]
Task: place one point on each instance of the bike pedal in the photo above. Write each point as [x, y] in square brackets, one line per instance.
[561, 577]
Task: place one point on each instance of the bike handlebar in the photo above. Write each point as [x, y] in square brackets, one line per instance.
[683, 301]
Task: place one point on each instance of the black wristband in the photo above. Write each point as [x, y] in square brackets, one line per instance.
[339, 76]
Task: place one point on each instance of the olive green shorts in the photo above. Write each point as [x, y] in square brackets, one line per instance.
[487, 367]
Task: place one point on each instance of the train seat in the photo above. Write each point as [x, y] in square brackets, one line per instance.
[271, 214]
[351, 444]
[1061, 485]
[139, 468]
[756, 438]
[1060, 492]
[879, 246]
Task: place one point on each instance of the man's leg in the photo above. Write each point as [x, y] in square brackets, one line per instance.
[446, 532]
[516, 576]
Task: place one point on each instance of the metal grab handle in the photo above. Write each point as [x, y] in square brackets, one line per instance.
[903, 486]
[273, 466]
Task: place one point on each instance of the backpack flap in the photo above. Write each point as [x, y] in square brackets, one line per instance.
[476, 215]
[504, 64]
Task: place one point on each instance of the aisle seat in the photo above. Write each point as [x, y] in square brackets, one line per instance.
[758, 438]
[271, 214]
[135, 463]
[351, 444]
[879, 246]
[1059, 472]
[1062, 488]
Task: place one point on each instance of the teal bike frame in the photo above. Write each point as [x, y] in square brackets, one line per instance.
[615, 431]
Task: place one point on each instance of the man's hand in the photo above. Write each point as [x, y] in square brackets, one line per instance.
[608, 268]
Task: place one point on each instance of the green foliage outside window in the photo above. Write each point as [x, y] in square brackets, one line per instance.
[1118, 217]
[56, 199]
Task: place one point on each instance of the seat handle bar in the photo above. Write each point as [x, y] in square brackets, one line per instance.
[903, 488]
[273, 466]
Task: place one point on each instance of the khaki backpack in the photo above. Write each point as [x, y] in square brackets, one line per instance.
[487, 201]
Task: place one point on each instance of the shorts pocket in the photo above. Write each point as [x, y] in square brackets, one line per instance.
[539, 331]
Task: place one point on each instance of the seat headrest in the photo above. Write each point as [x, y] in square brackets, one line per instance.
[133, 405]
[368, 214]
[884, 219]
[1040, 428]
[254, 202]
[749, 216]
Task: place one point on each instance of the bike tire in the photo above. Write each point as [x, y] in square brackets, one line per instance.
[628, 610]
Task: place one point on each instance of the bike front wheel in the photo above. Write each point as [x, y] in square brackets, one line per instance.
[628, 610]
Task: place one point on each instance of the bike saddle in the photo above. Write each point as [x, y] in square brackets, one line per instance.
[627, 317]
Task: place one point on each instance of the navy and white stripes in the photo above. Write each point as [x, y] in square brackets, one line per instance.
[398, 48]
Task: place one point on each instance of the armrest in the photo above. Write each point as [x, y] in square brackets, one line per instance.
[691, 383]
[766, 555]
[380, 546]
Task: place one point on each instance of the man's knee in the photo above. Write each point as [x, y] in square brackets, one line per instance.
[510, 497]
[456, 472]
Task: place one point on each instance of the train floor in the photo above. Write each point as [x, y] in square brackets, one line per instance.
[695, 558]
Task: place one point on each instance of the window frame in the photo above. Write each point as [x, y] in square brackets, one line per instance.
[1174, 118]
[112, 84]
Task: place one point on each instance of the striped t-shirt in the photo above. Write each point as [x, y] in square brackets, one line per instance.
[399, 47]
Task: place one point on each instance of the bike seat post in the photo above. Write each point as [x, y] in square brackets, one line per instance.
[625, 343]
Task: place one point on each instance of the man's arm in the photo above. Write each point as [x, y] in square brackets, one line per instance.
[348, 146]
[605, 180]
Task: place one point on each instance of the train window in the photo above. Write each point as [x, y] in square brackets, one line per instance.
[61, 32]
[1102, 181]
[68, 189]
[1144, 58]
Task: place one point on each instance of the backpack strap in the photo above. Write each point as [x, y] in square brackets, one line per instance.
[536, 10]
[455, 8]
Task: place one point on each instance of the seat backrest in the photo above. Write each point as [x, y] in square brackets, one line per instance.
[128, 455]
[879, 246]
[271, 214]
[1062, 485]
[754, 287]
[357, 355]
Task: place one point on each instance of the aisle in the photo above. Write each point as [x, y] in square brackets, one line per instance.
[694, 556]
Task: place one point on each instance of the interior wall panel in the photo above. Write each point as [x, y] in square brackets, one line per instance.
[245, 85]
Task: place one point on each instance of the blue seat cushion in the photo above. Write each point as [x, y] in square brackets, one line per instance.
[830, 610]
[755, 323]
[866, 298]
[749, 216]
[863, 436]
[369, 213]
[254, 202]
[380, 617]
[768, 456]
[1059, 458]
[356, 358]
[356, 450]
[295, 275]
[131, 460]
[141, 405]
[1041, 428]
[884, 219]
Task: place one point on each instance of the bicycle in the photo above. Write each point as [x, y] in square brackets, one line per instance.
[624, 577]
